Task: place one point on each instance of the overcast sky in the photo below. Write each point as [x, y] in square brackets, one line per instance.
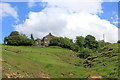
[66, 18]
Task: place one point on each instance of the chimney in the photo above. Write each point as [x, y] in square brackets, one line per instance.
[103, 37]
[50, 34]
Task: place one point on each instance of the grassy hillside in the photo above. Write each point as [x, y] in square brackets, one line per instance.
[105, 62]
[22, 61]
[55, 62]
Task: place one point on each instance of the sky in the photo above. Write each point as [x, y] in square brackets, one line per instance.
[68, 18]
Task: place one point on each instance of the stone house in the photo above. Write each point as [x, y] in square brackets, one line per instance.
[38, 43]
[45, 41]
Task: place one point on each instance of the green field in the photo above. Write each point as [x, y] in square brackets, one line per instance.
[55, 62]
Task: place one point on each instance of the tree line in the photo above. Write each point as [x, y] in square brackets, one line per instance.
[85, 46]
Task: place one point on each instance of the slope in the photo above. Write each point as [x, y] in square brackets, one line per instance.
[105, 62]
[36, 62]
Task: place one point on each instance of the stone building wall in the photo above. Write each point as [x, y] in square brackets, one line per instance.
[45, 41]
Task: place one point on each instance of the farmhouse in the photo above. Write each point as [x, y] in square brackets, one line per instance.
[45, 41]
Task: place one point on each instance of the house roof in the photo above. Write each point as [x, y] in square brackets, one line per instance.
[45, 37]
[48, 35]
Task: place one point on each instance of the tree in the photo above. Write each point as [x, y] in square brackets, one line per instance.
[118, 41]
[14, 33]
[80, 41]
[55, 41]
[5, 40]
[62, 42]
[37, 39]
[16, 39]
[90, 42]
[32, 37]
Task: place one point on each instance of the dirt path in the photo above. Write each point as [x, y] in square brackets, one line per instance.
[93, 77]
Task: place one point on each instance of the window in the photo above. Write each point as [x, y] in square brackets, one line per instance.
[36, 42]
[45, 41]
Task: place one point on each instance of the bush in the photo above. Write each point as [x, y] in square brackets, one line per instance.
[101, 44]
[75, 47]
[85, 52]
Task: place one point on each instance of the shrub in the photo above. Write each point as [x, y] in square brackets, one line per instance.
[85, 52]
[101, 44]
[75, 47]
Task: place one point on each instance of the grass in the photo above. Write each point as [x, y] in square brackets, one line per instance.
[50, 62]
[106, 61]
[55, 62]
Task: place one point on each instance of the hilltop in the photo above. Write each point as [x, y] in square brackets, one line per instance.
[56, 62]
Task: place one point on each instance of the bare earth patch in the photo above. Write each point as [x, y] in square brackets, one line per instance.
[93, 77]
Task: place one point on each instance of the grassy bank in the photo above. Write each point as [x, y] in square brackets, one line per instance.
[55, 62]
